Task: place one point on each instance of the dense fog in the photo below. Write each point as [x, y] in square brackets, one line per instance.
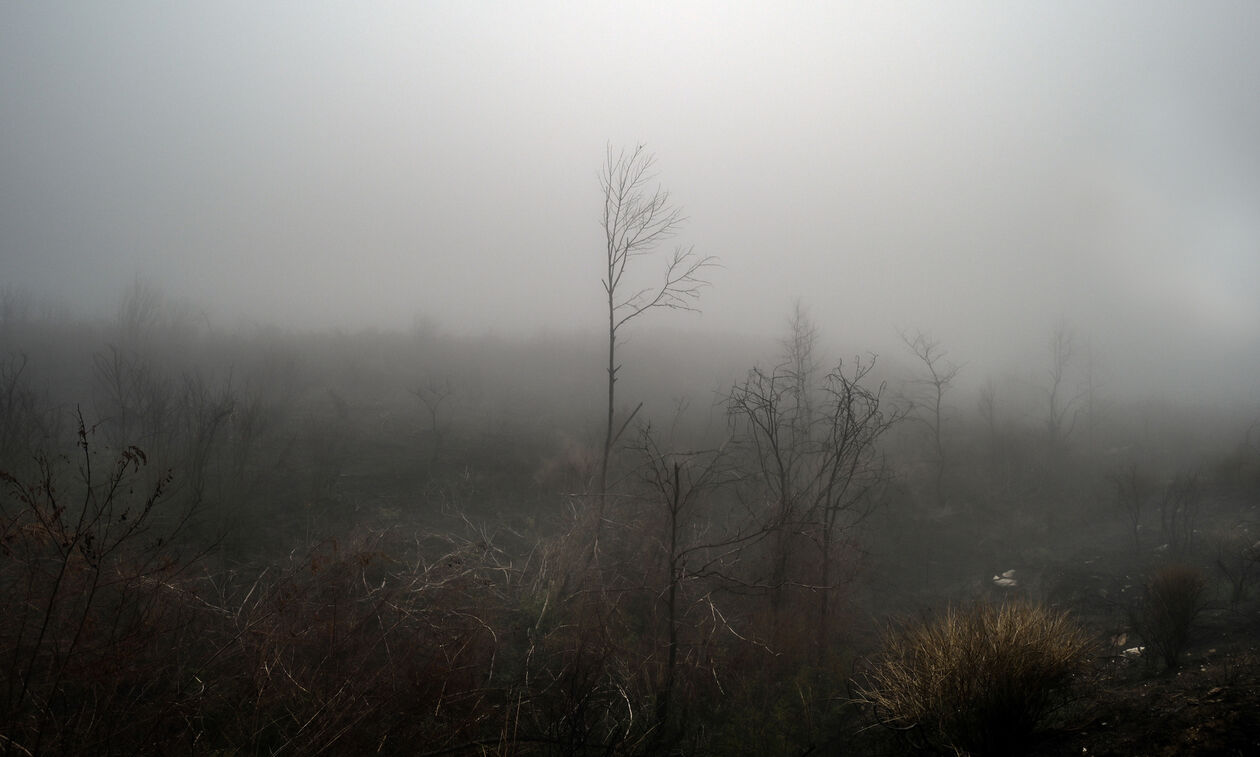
[629, 379]
[983, 173]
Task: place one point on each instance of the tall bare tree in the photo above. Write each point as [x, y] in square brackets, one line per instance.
[638, 217]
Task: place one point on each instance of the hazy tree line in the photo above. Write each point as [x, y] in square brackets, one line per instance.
[268, 541]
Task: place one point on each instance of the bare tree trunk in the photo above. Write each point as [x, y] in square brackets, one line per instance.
[612, 385]
[666, 693]
[824, 595]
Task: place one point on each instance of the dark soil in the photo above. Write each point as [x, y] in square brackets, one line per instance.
[1207, 708]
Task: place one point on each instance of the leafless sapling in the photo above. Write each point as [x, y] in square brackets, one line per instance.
[432, 393]
[697, 549]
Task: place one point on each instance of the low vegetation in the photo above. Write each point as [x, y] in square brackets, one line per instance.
[264, 544]
[977, 680]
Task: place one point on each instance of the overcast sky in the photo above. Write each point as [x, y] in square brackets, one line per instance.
[979, 170]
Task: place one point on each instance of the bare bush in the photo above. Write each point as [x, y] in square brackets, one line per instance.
[91, 628]
[980, 680]
[352, 647]
[1173, 600]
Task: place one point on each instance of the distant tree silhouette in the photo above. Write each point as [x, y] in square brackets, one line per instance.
[938, 377]
[1061, 408]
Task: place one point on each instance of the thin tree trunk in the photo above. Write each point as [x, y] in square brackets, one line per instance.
[671, 609]
[602, 492]
[824, 597]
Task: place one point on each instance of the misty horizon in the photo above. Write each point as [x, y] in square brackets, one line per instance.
[976, 173]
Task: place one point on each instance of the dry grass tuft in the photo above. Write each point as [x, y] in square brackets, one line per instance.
[978, 680]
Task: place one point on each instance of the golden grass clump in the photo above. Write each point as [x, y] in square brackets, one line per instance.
[977, 680]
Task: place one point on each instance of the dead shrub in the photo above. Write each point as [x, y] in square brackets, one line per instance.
[93, 614]
[978, 680]
[1174, 598]
[367, 645]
